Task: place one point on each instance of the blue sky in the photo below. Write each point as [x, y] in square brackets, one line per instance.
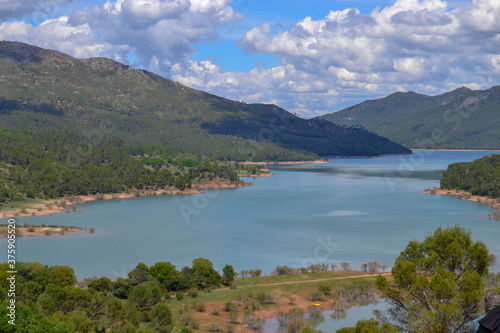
[310, 57]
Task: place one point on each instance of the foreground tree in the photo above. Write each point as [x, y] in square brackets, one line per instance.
[228, 276]
[437, 284]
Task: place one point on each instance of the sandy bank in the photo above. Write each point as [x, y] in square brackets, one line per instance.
[487, 150]
[39, 230]
[464, 195]
[284, 163]
[49, 207]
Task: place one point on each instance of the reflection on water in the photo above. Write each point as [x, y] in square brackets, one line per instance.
[329, 320]
[356, 172]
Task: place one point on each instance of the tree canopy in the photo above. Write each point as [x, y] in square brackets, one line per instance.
[437, 285]
[480, 177]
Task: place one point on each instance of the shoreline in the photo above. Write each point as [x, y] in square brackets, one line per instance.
[284, 163]
[457, 149]
[41, 230]
[464, 195]
[55, 206]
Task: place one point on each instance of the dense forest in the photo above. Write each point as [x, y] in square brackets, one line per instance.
[479, 177]
[53, 164]
[48, 301]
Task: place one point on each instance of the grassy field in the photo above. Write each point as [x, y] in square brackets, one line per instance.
[282, 292]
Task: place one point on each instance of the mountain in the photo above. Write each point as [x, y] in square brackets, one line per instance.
[43, 89]
[461, 119]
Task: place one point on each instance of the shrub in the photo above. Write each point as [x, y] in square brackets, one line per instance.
[254, 322]
[325, 289]
[314, 311]
[215, 328]
[200, 307]
[193, 292]
[233, 317]
[264, 298]
[317, 297]
[230, 306]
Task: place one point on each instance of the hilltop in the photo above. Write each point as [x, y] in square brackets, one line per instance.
[460, 119]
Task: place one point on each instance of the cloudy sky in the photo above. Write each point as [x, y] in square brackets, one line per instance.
[311, 57]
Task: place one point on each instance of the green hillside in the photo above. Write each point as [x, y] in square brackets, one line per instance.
[461, 119]
[42, 89]
[479, 177]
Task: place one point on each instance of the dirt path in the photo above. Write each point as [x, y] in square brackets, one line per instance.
[306, 281]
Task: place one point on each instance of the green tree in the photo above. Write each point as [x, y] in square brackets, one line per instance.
[144, 296]
[140, 273]
[101, 284]
[161, 316]
[228, 275]
[437, 284]
[64, 275]
[204, 274]
[167, 275]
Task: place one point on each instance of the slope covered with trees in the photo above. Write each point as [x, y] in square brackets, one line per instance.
[42, 89]
[54, 164]
[479, 177]
[462, 118]
[48, 301]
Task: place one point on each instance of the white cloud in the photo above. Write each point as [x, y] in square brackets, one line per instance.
[160, 33]
[323, 64]
[411, 45]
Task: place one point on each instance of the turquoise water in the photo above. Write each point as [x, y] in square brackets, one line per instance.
[354, 210]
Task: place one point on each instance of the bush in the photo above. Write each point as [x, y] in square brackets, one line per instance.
[314, 311]
[325, 289]
[253, 322]
[215, 328]
[264, 298]
[233, 317]
[230, 306]
[200, 307]
[317, 297]
[193, 292]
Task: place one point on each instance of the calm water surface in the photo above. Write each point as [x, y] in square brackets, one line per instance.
[353, 210]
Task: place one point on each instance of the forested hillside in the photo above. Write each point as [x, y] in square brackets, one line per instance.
[479, 177]
[98, 97]
[460, 119]
[54, 164]
[48, 301]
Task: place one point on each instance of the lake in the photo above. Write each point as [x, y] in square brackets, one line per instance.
[349, 209]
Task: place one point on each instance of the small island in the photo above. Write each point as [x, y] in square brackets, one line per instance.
[42, 230]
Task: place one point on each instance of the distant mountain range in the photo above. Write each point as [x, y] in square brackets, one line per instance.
[42, 90]
[460, 119]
